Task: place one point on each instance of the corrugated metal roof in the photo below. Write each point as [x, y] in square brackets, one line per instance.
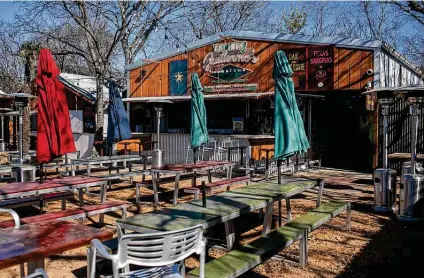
[272, 37]
[84, 85]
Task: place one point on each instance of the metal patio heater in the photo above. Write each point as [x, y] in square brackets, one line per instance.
[157, 154]
[411, 195]
[385, 178]
[21, 101]
[3, 144]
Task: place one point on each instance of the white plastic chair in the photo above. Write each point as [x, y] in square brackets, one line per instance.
[210, 147]
[190, 150]
[38, 273]
[159, 252]
[14, 215]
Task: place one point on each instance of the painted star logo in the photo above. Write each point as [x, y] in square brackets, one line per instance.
[178, 77]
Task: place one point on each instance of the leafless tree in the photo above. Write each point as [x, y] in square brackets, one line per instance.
[414, 9]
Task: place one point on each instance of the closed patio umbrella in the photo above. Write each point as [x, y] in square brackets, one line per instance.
[198, 130]
[118, 127]
[290, 136]
[54, 134]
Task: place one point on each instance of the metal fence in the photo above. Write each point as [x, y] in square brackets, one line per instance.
[399, 132]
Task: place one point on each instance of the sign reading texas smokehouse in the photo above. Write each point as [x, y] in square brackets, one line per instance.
[320, 68]
[225, 65]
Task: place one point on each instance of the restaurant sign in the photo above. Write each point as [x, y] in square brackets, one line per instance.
[231, 88]
[297, 60]
[227, 53]
[320, 68]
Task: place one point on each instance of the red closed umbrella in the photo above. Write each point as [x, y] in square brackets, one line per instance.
[54, 134]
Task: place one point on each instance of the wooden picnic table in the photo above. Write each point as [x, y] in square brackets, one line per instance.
[179, 169]
[33, 242]
[220, 208]
[404, 156]
[106, 159]
[25, 189]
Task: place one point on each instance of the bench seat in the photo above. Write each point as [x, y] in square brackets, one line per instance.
[258, 251]
[37, 201]
[250, 255]
[318, 216]
[81, 212]
[216, 185]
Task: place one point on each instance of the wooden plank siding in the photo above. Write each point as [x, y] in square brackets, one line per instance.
[350, 68]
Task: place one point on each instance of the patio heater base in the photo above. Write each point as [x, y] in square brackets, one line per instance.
[411, 198]
[384, 189]
[157, 159]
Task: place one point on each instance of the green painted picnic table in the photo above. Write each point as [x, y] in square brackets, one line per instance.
[220, 208]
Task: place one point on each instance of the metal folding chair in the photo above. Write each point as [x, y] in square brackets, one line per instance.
[158, 252]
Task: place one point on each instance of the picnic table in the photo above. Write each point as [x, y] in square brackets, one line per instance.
[179, 169]
[33, 242]
[19, 169]
[220, 208]
[106, 159]
[26, 189]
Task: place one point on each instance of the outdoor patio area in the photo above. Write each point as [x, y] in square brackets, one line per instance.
[375, 246]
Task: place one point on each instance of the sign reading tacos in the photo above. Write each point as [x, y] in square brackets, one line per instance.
[227, 53]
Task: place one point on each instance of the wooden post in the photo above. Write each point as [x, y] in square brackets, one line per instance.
[204, 194]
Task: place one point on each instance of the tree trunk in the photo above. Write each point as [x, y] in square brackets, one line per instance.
[99, 103]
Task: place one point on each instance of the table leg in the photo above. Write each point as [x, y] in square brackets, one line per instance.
[34, 264]
[288, 207]
[103, 191]
[230, 235]
[210, 175]
[267, 218]
[279, 214]
[177, 181]
[229, 155]
[229, 171]
[81, 197]
[88, 169]
[155, 189]
[266, 166]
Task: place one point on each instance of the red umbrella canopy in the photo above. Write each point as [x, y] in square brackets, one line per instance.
[54, 134]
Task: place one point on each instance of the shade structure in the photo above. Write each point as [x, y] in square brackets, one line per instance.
[199, 131]
[118, 127]
[54, 134]
[290, 136]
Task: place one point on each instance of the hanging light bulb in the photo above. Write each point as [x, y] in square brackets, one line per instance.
[178, 47]
[166, 34]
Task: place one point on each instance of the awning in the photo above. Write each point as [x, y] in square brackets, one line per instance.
[214, 97]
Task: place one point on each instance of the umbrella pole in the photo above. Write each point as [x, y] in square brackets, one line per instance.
[41, 173]
[204, 194]
[194, 155]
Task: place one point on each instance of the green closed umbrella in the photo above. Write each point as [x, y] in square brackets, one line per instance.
[290, 136]
[199, 132]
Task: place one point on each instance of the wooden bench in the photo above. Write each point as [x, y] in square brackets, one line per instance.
[239, 261]
[70, 214]
[116, 176]
[216, 185]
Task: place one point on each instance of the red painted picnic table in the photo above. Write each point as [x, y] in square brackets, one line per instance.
[178, 169]
[25, 189]
[33, 242]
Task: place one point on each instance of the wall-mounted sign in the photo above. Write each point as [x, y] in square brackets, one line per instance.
[230, 73]
[178, 78]
[320, 68]
[230, 88]
[297, 59]
[226, 53]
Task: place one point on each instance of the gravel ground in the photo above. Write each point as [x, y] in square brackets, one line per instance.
[376, 246]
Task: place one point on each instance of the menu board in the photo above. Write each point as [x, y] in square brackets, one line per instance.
[297, 60]
[320, 68]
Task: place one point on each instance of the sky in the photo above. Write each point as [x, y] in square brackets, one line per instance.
[7, 9]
